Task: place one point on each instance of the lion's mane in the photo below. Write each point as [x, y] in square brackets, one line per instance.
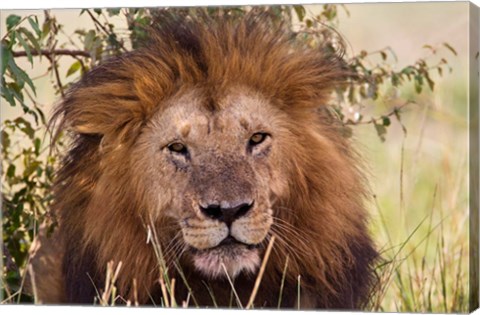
[102, 210]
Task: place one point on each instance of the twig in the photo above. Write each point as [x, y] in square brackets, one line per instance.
[378, 51]
[395, 111]
[107, 32]
[49, 53]
[57, 75]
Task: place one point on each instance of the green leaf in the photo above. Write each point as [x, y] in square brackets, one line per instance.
[381, 130]
[31, 38]
[450, 48]
[30, 168]
[6, 56]
[20, 75]
[39, 171]
[12, 21]
[113, 11]
[37, 143]
[386, 121]
[112, 39]
[25, 47]
[7, 95]
[15, 87]
[11, 171]
[300, 10]
[408, 70]
[351, 94]
[25, 126]
[430, 82]
[395, 80]
[89, 39]
[98, 11]
[418, 83]
[74, 68]
[46, 27]
[5, 142]
[34, 25]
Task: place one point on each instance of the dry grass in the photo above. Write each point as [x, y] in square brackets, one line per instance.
[421, 210]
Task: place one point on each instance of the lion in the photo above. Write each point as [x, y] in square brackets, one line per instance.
[212, 139]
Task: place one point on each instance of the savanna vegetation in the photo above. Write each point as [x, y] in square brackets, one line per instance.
[419, 201]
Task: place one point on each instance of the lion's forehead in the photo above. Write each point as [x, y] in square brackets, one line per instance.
[235, 117]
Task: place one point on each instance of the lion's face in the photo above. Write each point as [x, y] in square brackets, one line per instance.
[216, 173]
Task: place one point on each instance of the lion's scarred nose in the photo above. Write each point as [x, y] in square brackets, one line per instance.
[224, 212]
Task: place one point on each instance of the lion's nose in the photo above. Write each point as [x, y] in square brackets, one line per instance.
[225, 212]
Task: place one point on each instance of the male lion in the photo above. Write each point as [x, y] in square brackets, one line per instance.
[210, 140]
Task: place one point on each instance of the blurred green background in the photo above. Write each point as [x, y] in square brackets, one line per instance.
[420, 178]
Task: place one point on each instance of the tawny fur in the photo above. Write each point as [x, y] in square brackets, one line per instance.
[104, 204]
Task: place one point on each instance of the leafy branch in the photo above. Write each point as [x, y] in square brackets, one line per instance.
[112, 37]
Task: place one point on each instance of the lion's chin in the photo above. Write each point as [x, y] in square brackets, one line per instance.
[232, 259]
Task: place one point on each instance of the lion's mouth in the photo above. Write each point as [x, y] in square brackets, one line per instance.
[230, 241]
[230, 257]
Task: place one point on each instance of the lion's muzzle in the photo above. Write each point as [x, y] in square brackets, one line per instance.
[226, 239]
[226, 216]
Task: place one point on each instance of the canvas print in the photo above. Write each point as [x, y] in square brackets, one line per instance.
[301, 157]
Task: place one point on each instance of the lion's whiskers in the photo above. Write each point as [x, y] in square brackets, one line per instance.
[289, 239]
[279, 251]
[283, 248]
[289, 210]
[175, 248]
[287, 228]
[172, 243]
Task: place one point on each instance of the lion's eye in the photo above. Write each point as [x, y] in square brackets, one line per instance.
[177, 147]
[257, 138]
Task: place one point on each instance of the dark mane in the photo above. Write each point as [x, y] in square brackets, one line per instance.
[106, 110]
